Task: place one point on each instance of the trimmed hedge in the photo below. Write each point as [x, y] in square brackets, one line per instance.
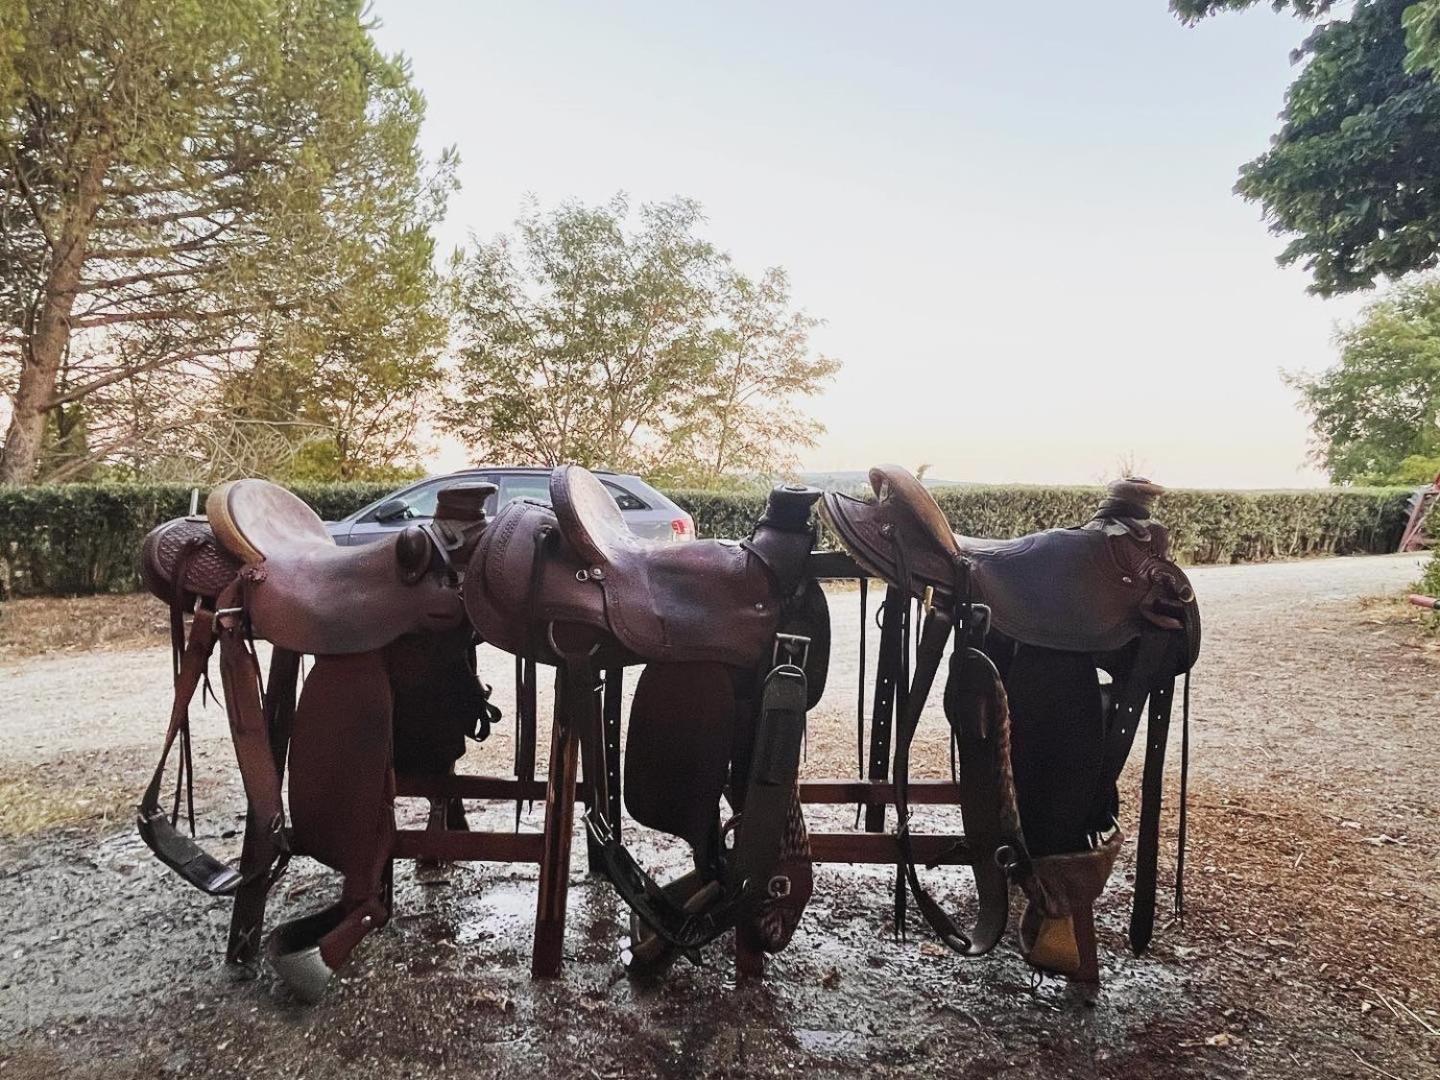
[1205, 526]
[83, 538]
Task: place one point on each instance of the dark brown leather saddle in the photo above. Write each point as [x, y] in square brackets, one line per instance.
[734, 639]
[386, 627]
[1060, 637]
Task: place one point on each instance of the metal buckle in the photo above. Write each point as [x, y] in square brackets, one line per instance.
[1097, 840]
[555, 648]
[778, 888]
[977, 626]
[793, 644]
[599, 830]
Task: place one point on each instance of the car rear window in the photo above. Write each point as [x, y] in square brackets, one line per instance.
[623, 498]
[528, 486]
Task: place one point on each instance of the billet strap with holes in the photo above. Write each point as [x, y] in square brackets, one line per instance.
[1150, 679]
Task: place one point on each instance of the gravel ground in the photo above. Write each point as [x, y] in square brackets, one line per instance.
[1308, 947]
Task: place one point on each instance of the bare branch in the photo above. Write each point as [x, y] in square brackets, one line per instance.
[76, 392]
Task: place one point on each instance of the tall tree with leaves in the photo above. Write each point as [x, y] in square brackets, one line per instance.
[634, 346]
[1376, 416]
[1353, 176]
[747, 422]
[186, 188]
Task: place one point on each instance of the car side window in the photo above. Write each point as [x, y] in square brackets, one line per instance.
[421, 501]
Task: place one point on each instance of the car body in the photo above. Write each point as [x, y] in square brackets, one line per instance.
[648, 513]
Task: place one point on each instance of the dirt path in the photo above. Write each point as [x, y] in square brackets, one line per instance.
[1309, 947]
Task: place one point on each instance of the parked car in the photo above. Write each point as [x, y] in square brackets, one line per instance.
[647, 512]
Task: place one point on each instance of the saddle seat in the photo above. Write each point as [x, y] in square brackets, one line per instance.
[1089, 589]
[576, 562]
[306, 594]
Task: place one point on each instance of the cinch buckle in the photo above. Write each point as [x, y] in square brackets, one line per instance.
[599, 830]
[793, 644]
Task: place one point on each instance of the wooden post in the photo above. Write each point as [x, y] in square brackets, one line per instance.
[548, 954]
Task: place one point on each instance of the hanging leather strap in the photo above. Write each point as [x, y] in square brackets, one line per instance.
[249, 728]
[1150, 679]
[250, 732]
[1157, 730]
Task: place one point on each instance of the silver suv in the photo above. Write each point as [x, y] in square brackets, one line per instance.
[647, 512]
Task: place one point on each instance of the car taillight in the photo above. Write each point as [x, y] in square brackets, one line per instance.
[680, 527]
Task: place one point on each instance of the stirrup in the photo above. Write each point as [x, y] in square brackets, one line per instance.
[183, 855]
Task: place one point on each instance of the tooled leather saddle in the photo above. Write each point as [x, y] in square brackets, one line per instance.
[386, 627]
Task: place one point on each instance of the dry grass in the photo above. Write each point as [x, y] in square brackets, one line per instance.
[28, 807]
[35, 627]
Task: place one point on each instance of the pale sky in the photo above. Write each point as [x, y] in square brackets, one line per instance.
[1016, 219]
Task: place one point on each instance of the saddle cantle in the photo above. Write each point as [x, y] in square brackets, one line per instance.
[386, 626]
[567, 583]
[1034, 619]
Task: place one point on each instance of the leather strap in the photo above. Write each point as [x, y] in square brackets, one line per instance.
[770, 788]
[894, 644]
[525, 726]
[1149, 679]
[1155, 648]
[250, 731]
[982, 794]
[1157, 730]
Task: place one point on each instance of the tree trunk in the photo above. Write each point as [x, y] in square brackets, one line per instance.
[44, 352]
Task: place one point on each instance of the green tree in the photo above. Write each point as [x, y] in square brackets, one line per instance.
[189, 188]
[746, 422]
[1376, 416]
[633, 345]
[1352, 175]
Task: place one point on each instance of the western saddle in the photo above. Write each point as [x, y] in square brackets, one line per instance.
[1035, 620]
[263, 565]
[1060, 640]
[733, 638]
